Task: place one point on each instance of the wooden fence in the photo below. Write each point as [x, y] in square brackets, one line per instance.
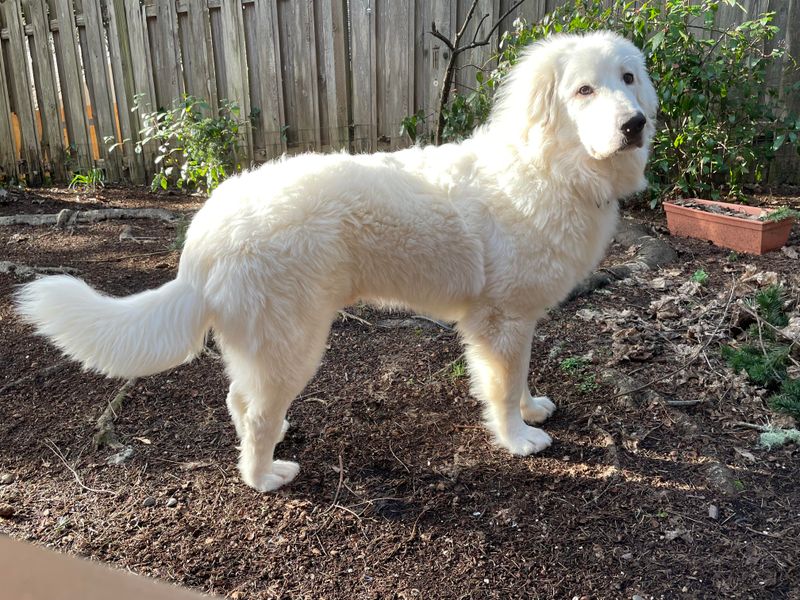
[310, 74]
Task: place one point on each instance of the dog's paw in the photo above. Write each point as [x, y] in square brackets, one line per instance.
[283, 471]
[537, 409]
[525, 440]
[284, 429]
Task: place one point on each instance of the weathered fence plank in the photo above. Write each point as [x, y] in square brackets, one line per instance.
[168, 81]
[331, 17]
[21, 89]
[122, 72]
[52, 144]
[71, 79]
[143, 85]
[197, 52]
[101, 89]
[364, 78]
[264, 37]
[237, 83]
[8, 152]
[299, 65]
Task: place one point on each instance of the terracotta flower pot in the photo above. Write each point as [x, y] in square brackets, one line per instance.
[742, 234]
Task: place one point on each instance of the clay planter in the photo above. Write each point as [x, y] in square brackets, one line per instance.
[737, 233]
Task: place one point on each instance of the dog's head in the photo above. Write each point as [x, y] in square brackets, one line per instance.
[591, 92]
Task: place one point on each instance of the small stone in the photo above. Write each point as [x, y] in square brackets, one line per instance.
[7, 478]
[6, 511]
[627, 556]
[637, 597]
[713, 512]
[120, 457]
[149, 501]
[172, 502]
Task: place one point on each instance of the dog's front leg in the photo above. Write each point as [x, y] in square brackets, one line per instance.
[498, 357]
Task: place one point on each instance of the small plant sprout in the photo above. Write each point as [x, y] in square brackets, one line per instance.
[572, 364]
[576, 366]
[700, 277]
[458, 369]
[89, 181]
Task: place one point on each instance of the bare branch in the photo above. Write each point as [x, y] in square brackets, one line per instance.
[439, 36]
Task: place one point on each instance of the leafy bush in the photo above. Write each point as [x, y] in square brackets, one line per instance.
[195, 148]
[720, 123]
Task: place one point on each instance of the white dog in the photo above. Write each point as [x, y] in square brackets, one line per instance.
[488, 233]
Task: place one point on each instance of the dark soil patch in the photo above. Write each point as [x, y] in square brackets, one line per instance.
[427, 507]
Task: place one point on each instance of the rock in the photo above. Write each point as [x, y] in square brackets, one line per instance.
[121, 456]
[713, 512]
[627, 556]
[7, 478]
[6, 511]
[172, 502]
[127, 234]
[149, 501]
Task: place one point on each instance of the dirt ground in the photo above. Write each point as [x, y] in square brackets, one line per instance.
[401, 494]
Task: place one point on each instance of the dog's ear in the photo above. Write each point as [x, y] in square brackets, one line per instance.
[543, 105]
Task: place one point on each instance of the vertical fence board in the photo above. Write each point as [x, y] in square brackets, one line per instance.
[165, 54]
[8, 151]
[299, 65]
[363, 75]
[122, 72]
[237, 84]
[265, 60]
[394, 24]
[71, 79]
[332, 62]
[198, 57]
[101, 90]
[143, 85]
[46, 88]
[21, 87]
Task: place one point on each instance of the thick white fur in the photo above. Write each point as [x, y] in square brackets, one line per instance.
[488, 233]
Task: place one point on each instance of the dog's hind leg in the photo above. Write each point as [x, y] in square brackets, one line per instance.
[267, 380]
[237, 406]
[498, 353]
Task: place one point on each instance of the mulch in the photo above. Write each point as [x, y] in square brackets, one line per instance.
[401, 493]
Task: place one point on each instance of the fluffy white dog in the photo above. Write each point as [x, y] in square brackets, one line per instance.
[488, 233]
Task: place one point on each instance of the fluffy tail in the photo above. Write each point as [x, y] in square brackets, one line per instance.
[120, 337]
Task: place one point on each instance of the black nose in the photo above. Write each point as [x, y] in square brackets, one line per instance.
[633, 127]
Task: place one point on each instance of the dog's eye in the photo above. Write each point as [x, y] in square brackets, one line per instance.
[586, 90]
[628, 78]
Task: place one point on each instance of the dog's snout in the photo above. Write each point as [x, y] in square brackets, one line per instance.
[632, 128]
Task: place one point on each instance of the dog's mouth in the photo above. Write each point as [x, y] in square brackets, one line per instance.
[633, 144]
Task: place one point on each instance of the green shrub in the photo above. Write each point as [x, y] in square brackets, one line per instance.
[195, 148]
[720, 123]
